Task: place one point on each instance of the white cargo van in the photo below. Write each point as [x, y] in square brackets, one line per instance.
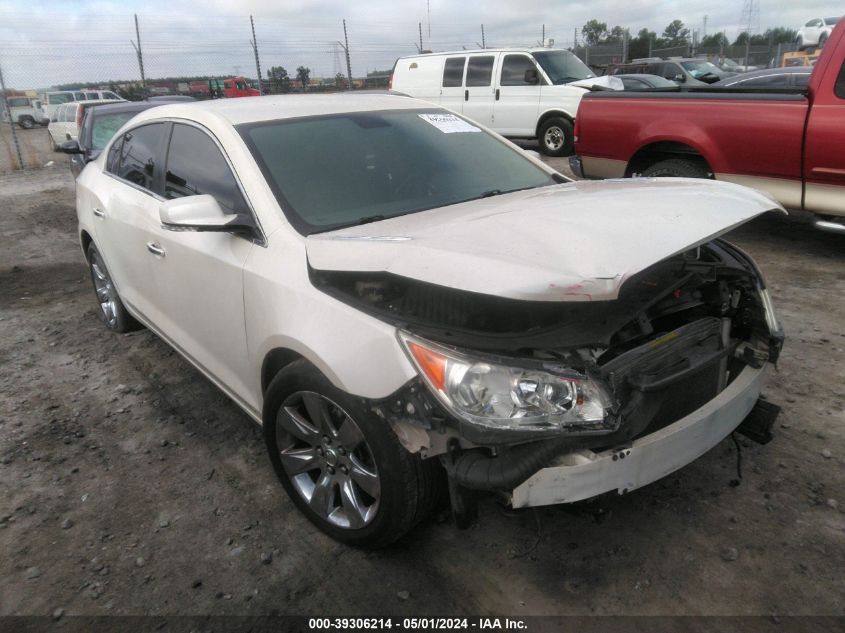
[518, 92]
[54, 99]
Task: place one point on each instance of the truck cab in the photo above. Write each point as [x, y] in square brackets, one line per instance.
[24, 111]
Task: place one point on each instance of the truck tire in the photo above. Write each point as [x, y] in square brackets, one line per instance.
[557, 137]
[675, 168]
[341, 464]
[26, 122]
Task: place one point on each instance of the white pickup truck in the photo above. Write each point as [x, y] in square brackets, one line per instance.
[25, 112]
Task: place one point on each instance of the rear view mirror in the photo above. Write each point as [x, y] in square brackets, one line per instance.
[531, 77]
[72, 147]
[202, 213]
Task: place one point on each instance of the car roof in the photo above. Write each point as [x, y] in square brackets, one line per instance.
[253, 109]
[116, 107]
[503, 49]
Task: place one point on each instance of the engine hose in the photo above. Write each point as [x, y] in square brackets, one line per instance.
[477, 471]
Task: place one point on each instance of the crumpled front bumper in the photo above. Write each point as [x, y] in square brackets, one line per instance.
[584, 474]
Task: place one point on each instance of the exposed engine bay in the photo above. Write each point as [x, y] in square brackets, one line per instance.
[679, 333]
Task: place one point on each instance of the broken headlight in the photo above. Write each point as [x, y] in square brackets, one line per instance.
[507, 397]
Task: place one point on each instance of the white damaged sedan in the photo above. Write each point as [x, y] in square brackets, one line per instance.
[405, 300]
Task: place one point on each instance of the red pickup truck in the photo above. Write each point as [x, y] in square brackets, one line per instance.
[791, 145]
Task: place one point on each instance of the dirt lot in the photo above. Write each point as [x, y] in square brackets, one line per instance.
[34, 144]
[130, 485]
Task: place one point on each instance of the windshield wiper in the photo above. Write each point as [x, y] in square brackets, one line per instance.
[370, 218]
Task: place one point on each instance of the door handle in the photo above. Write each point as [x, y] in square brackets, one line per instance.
[99, 212]
[155, 249]
[497, 94]
[466, 95]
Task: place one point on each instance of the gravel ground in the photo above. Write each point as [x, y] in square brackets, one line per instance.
[130, 485]
[34, 145]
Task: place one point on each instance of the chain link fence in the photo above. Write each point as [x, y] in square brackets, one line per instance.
[138, 56]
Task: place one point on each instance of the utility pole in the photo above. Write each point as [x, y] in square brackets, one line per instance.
[11, 122]
[704, 30]
[421, 46]
[543, 39]
[254, 43]
[137, 46]
[346, 50]
[428, 14]
[575, 38]
[483, 43]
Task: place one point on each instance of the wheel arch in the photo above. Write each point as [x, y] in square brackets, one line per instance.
[85, 240]
[549, 114]
[657, 151]
[275, 361]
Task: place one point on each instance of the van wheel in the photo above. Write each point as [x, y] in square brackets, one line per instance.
[26, 123]
[557, 137]
[340, 464]
[675, 168]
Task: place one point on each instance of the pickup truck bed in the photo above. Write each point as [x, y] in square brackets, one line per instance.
[786, 143]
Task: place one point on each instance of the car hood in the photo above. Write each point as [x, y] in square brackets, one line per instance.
[578, 241]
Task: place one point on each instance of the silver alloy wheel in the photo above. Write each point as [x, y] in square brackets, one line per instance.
[106, 293]
[328, 460]
[554, 137]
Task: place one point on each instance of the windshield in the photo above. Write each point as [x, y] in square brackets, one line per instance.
[562, 67]
[332, 171]
[106, 126]
[699, 69]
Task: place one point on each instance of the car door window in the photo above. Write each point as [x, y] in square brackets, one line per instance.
[839, 87]
[801, 80]
[480, 71]
[513, 70]
[113, 159]
[453, 72]
[139, 153]
[59, 98]
[187, 176]
[633, 84]
[670, 71]
[91, 95]
[79, 96]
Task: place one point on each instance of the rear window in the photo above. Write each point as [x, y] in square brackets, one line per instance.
[106, 126]
[63, 97]
[339, 170]
[839, 87]
[453, 72]
[831, 21]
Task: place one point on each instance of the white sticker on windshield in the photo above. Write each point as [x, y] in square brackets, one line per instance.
[448, 123]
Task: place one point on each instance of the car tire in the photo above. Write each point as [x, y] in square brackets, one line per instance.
[342, 465]
[26, 123]
[53, 145]
[557, 137]
[822, 40]
[675, 168]
[112, 311]
[800, 42]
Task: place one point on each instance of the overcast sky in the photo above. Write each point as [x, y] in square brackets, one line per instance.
[48, 42]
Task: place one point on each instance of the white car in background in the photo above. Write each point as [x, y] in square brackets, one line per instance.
[53, 99]
[517, 92]
[815, 32]
[67, 120]
[396, 293]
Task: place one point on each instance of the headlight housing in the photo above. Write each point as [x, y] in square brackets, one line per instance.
[505, 397]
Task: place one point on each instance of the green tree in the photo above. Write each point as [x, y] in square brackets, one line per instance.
[714, 40]
[781, 35]
[304, 76]
[279, 79]
[616, 34]
[594, 32]
[340, 81]
[675, 34]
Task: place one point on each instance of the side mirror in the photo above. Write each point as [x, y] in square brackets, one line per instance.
[531, 77]
[72, 147]
[679, 78]
[202, 213]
